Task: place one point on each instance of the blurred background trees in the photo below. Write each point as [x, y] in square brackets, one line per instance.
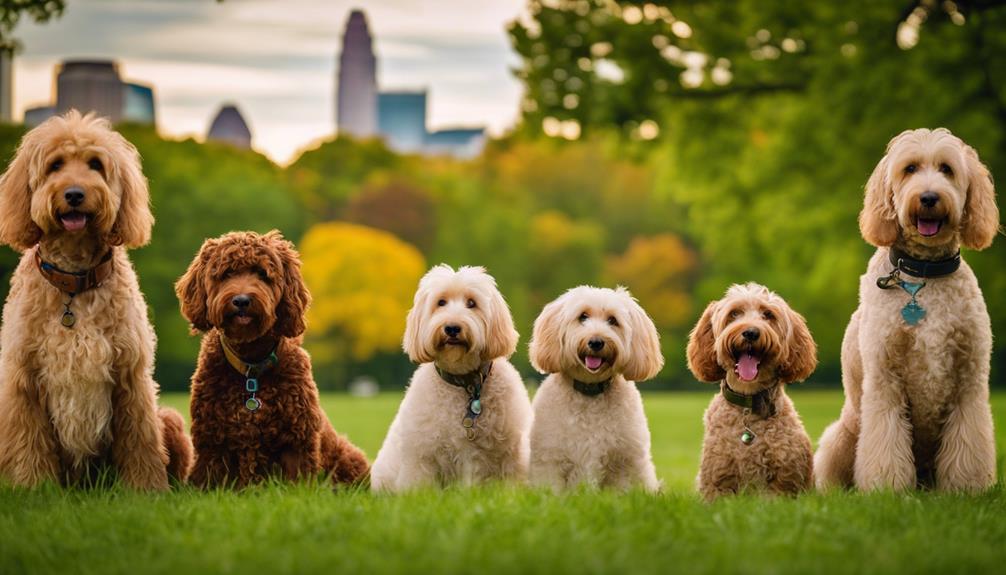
[670, 147]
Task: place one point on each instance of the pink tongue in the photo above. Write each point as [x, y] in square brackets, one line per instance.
[747, 367]
[74, 222]
[929, 227]
[593, 362]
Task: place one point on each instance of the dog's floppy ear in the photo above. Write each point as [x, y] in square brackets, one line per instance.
[801, 351]
[412, 341]
[878, 219]
[16, 226]
[545, 348]
[645, 358]
[291, 311]
[981, 215]
[134, 221]
[191, 290]
[701, 350]
[501, 339]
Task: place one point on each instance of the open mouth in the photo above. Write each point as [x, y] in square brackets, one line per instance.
[73, 221]
[455, 341]
[928, 227]
[242, 318]
[593, 363]
[747, 366]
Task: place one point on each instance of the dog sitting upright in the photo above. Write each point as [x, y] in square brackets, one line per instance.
[753, 344]
[589, 426]
[466, 412]
[77, 393]
[255, 407]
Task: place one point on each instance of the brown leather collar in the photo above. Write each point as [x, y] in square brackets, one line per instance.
[74, 283]
[248, 368]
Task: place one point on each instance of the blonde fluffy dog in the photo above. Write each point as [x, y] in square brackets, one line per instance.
[589, 426]
[916, 371]
[753, 344]
[76, 387]
[466, 413]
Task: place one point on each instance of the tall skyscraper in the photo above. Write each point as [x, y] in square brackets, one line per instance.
[90, 86]
[356, 108]
[401, 120]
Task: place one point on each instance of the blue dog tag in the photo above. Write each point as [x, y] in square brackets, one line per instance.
[913, 313]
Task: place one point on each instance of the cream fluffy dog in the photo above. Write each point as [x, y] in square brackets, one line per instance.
[466, 413]
[753, 344]
[589, 426]
[76, 387]
[916, 368]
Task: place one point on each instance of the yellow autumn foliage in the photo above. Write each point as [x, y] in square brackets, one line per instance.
[362, 280]
[659, 271]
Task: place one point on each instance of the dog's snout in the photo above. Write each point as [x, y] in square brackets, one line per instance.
[929, 199]
[596, 344]
[452, 330]
[74, 196]
[751, 334]
[241, 301]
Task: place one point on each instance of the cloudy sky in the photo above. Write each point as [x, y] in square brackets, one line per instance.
[276, 60]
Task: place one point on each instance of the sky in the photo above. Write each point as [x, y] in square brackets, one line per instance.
[276, 60]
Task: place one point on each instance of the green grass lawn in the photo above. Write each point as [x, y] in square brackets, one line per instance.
[308, 528]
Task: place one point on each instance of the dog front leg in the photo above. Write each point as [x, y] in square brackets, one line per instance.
[27, 439]
[301, 461]
[966, 460]
[137, 449]
[884, 457]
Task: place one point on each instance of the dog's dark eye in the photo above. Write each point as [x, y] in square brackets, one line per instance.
[944, 168]
[583, 317]
[55, 166]
[226, 274]
[96, 165]
[735, 313]
[441, 303]
[470, 303]
[612, 321]
[767, 314]
[910, 168]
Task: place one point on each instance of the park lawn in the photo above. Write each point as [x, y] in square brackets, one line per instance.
[308, 528]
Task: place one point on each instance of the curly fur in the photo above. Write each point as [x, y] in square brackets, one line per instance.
[916, 397]
[779, 460]
[600, 440]
[289, 435]
[74, 401]
[426, 444]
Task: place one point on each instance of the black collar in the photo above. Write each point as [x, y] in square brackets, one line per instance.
[468, 381]
[591, 389]
[924, 268]
[761, 404]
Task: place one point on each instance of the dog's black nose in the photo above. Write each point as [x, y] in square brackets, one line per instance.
[452, 330]
[751, 333]
[241, 301]
[929, 199]
[74, 196]
[596, 344]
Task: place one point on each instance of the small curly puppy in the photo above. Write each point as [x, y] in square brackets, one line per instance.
[466, 412]
[77, 393]
[753, 344]
[915, 358]
[255, 409]
[589, 426]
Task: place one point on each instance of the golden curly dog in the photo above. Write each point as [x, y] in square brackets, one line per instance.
[589, 426]
[76, 386]
[753, 344]
[916, 367]
[466, 414]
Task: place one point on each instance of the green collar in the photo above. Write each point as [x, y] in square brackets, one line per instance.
[591, 389]
[761, 404]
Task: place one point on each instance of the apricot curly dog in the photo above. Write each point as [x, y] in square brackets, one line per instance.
[77, 393]
[255, 409]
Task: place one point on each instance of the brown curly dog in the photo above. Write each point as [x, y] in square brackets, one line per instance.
[255, 409]
[753, 344]
[76, 389]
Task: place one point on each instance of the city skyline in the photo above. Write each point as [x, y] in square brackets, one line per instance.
[277, 61]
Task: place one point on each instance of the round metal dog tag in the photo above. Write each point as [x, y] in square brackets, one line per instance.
[468, 422]
[747, 437]
[252, 404]
[68, 319]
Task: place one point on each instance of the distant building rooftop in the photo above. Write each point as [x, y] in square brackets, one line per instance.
[229, 126]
